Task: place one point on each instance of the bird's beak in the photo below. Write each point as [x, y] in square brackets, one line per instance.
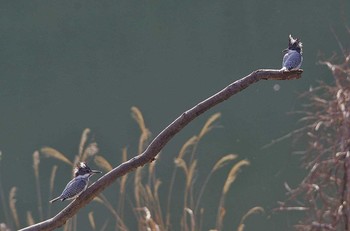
[95, 171]
[285, 50]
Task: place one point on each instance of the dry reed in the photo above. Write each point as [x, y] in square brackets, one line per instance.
[90, 151]
[229, 180]
[223, 160]
[92, 220]
[251, 211]
[83, 141]
[52, 178]
[188, 144]
[208, 125]
[233, 175]
[148, 223]
[36, 162]
[101, 162]
[30, 220]
[145, 133]
[219, 164]
[104, 201]
[52, 183]
[12, 205]
[146, 184]
[53, 153]
[192, 219]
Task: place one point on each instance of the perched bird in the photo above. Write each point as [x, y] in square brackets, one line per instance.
[293, 54]
[78, 184]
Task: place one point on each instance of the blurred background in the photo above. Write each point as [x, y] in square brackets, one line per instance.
[70, 65]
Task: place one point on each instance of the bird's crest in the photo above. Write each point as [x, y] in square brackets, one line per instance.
[81, 169]
[295, 44]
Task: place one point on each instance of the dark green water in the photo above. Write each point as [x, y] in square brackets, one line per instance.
[68, 65]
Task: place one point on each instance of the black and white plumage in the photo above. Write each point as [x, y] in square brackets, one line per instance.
[78, 184]
[293, 55]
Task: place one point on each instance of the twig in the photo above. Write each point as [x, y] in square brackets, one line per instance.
[159, 142]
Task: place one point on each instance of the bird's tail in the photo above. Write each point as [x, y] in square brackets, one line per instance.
[56, 199]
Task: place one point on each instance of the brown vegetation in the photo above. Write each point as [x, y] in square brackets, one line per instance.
[148, 208]
[324, 194]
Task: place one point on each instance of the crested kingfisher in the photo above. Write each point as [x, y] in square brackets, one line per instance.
[293, 54]
[78, 184]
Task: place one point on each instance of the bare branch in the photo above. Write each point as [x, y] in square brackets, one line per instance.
[159, 142]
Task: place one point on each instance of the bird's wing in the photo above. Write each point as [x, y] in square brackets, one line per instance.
[74, 188]
[293, 60]
[285, 57]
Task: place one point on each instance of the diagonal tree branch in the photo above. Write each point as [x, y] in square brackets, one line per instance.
[159, 142]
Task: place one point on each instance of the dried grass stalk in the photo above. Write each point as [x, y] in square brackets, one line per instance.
[92, 220]
[220, 163]
[151, 170]
[208, 125]
[241, 227]
[190, 174]
[220, 217]
[149, 194]
[103, 200]
[83, 140]
[229, 180]
[189, 143]
[30, 220]
[151, 225]
[193, 221]
[68, 225]
[98, 199]
[52, 178]
[182, 164]
[90, 151]
[101, 162]
[12, 205]
[36, 162]
[233, 174]
[145, 133]
[137, 115]
[76, 161]
[138, 186]
[156, 188]
[52, 183]
[251, 211]
[51, 152]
